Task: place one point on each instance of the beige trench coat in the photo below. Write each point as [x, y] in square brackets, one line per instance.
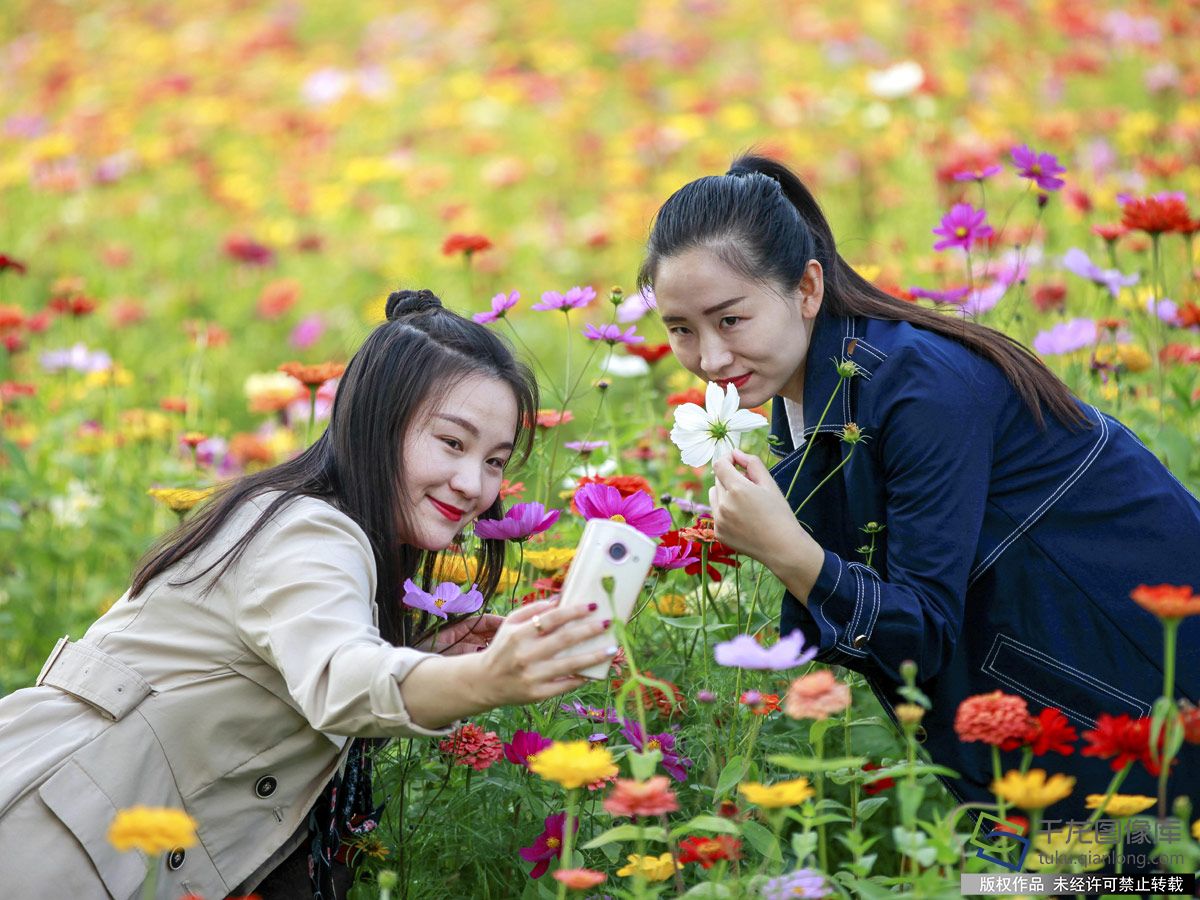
[234, 706]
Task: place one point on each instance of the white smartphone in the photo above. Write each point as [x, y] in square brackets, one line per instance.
[613, 550]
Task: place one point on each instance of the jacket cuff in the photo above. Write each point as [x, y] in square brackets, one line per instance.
[841, 611]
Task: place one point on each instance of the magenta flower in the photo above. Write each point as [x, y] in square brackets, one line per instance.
[576, 298]
[675, 764]
[501, 304]
[602, 501]
[585, 447]
[612, 334]
[1040, 168]
[307, 331]
[446, 598]
[522, 521]
[950, 295]
[547, 845]
[676, 557]
[962, 226]
[524, 745]
[744, 652]
[977, 174]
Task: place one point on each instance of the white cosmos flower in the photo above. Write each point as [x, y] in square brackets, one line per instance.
[708, 433]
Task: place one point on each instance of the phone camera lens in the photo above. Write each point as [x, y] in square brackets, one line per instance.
[617, 551]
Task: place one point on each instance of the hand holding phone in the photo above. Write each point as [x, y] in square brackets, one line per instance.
[607, 550]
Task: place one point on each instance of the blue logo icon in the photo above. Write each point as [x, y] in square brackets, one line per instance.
[1006, 831]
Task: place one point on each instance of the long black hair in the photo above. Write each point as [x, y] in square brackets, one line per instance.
[420, 349]
[763, 223]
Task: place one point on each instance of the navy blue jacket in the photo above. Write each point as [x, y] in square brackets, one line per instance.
[1008, 553]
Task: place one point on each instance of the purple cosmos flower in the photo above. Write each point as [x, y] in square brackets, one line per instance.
[678, 557]
[585, 447]
[1066, 337]
[636, 305]
[447, 597]
[521, 522]
[703, 696]
[78, 357]
[982, 299]
[675, 765]
[501, 304]
[612, 334]
[1166, 309]
[524, 745]
[576, 298]
[591, 713]
[744, 652]
[691, 506]
[801, 883]
[977, 174]
[962, 226]
[598, 737]
[307, 331]
[547, 845]
[1078, 263]
[1040, 168]
[950, 295]
[602, 501]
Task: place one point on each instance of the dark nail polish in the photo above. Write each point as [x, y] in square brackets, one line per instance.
[592, 607]
[606, 623]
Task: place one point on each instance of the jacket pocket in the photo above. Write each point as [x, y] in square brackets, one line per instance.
[87, 812]
[1042, 679]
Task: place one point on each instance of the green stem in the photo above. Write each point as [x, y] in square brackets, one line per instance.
[998, 775]
[568, 845]
[809, 443]
[832, 472]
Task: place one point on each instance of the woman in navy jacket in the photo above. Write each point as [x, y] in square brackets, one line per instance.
[1016, 519]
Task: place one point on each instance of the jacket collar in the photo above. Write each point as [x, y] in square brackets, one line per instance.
[835, 339]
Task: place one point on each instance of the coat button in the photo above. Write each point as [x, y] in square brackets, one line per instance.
[176, 858]
[265, 786]
[859, 642]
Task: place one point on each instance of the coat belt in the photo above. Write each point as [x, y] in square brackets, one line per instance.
[95, 677]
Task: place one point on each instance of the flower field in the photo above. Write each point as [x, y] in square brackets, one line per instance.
[203, 207]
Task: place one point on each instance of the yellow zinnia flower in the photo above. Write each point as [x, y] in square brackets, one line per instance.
[652, 868]
[1121, 804]
[152, 830]
[573, 763]
[550, 559]
[1033, 790]
[180, 499]
[453, 567]
[780, 794]
[671, 604]
[1058, 851]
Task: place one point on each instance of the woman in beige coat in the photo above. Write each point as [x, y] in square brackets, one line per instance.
[261, 637]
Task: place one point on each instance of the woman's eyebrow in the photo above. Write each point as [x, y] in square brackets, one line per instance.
[468, 426]
[724, 304]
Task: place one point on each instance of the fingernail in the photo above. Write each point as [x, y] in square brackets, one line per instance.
[606, 623]
[592, 607]
[612, 651]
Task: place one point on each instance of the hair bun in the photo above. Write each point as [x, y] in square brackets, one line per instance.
[406, 303]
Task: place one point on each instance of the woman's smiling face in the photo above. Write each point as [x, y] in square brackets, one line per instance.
[454, 456]
[726, 328]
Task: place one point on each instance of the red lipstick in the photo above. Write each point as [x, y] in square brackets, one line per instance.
[453, 513]
[736, 382]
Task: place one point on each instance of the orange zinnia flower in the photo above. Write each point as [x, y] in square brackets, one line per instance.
[465, 244]
[313, 376]
[992, 718]
[579, 879]
[691, 395]
[641, 798]
[278, 297]
[550, 418]
[1167, 601]
[1155, 215]
[817, 695]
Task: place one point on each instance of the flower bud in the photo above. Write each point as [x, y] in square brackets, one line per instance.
[615, 295]
[388, 880]
[909, 713]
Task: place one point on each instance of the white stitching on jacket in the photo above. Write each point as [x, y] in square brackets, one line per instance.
[1091, 680]
[1032, 518]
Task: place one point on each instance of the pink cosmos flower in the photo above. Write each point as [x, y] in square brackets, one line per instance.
[602, 501]
[446, 598]
[501, 304]
[547, 846]
[612, 334]
[524, 745]
[576, 298]
[744, 652]
[977, 174]
[962, 226]
[307, 332]
[522, 521]
[1040, 168]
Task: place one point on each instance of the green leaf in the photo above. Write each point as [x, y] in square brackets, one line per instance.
[708, 889]
[626, 833]
[866, 808]
[705, 823]
[812, 764]
[643, 764]
[735, 770]
[690, 623]
[762, 840]
[817, 731]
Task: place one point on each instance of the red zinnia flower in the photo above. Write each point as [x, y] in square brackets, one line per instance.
[708, 850]
[691, 395]
[657, 698]
[465, 244]
[7, 262]
[1191, 721]
[1047, 731]
[1155, 215]
[472, 746]
[877, 787]
[1110, 233]
[1122, 738]
[247, 250]
[1167, 601]
[718, 553]
[994, 718]
[651, 353]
